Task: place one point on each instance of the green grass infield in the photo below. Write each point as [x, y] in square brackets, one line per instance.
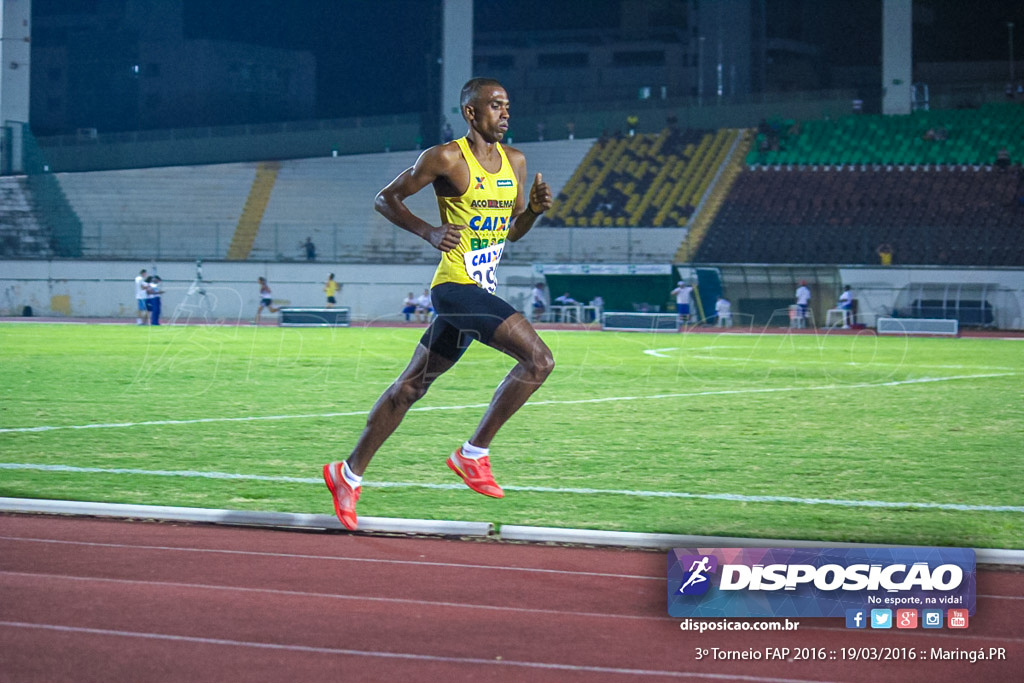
[822, 437]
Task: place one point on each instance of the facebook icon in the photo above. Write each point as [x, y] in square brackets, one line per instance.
[856, 618]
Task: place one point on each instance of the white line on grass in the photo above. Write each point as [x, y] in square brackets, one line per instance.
[553, 402]
[735, 497]
[871, 363]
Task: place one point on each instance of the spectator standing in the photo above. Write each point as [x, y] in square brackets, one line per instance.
[723, 312]
[631, 123]
[153, 289]
[539, 303]
[803, 303]
[598, 303]
[884, 252]
[682, 294]
[424, 307]
[845, 304]
[141, 294]
[310, 249]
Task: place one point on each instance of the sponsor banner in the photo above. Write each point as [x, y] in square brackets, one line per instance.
[602, 269]
[817, 582]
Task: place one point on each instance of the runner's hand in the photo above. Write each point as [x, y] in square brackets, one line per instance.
[446, 237]
[540, 196]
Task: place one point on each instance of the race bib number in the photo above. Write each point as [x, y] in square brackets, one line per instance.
[481, 263]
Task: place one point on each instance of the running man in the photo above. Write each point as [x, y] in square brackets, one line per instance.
[481, 192]
[266, 299]
[331, 288]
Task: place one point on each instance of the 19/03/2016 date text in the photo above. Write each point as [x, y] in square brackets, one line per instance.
[850, 654]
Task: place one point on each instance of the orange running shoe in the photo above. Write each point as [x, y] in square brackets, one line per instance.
[476, 473]
[344, 495]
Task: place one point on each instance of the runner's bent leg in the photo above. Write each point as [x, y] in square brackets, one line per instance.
[517, 338]
[394, 403]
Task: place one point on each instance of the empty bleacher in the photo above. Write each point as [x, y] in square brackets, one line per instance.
[193, 211]
[939, 187]
[956, 215]
[21, 234]
[945, 137]
[172, 212]
[331, 201]
[642, 180]
[830, 202]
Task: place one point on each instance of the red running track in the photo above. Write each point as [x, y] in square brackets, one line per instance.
[99, 600]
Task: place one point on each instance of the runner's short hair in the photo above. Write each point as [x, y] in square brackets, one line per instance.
[472, 89]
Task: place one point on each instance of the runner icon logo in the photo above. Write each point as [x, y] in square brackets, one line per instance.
[696, 581]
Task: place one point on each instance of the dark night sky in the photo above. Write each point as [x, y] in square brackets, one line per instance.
[374, 56]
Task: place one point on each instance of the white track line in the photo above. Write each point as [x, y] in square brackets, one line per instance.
[302, 556]
[735, 497]
[553, 402]
[395, 655]
[333, 558]
[533, 489]
[175, 585]
[713, 354]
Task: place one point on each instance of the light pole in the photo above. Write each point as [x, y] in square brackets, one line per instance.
[700, 71]
[1009, 26]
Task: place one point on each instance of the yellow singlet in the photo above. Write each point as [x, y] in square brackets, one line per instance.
[486, 207]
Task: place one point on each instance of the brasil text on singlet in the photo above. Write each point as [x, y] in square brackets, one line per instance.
[486, 208]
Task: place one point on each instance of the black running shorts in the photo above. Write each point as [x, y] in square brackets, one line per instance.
[464, 313]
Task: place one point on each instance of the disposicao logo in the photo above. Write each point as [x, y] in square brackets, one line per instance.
[822, 582]
[697, 581]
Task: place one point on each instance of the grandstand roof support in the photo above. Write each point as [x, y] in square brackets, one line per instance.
[897, 56]
[15, 22]
[456, 58]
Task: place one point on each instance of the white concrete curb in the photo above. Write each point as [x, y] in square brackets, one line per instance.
[507, 532]
[630, 539]
[245, 517]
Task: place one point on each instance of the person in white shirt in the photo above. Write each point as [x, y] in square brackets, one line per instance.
[424, 308]
[141, 294]
[153, 288]
[846, 304]
[598, 303]
[682, 294]
[409, 306]
[566, 300]
[803, 303]
[567, 313]
[539, 303]
[723, 310]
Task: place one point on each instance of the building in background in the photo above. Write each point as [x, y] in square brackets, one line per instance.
[127, 66]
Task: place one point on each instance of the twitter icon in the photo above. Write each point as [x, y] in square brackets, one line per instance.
[881, 618]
